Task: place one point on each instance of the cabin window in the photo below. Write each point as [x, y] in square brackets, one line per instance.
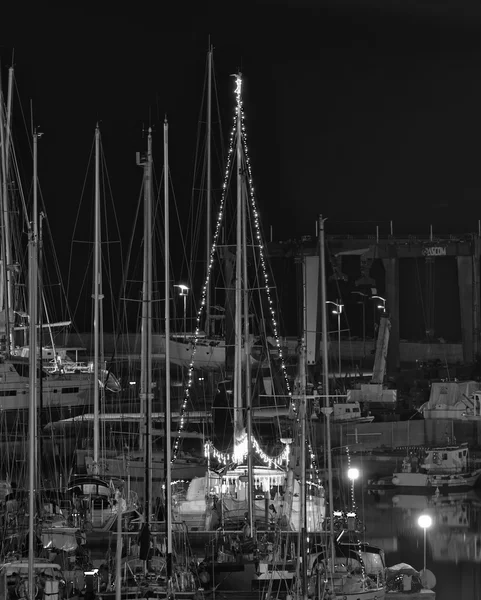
[89, 488]
[348, 410]
[72, 390]
[93, 489]
[445, 456]
[8, 392]
[355, 410]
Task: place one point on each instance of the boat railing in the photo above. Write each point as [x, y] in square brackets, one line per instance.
[68, 367]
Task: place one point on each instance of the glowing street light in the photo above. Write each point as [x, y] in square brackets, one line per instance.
[425, 522]
[383, 300]
[338, 311]
[183, 291]
[353, 474]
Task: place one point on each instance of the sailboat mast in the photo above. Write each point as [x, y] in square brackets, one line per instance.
[146, 342]
[6, 243]
[250, 471]
[32, 421]
[238, 420]
[327, 409]
[39, 447]
[168, 409]
[97, 296]
[8, 127]
[209, 186]
[302, 418]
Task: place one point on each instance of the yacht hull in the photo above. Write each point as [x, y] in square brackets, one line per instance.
[209, 354]
[430, 480]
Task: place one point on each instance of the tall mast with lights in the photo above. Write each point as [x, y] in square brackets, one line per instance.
[168, 410]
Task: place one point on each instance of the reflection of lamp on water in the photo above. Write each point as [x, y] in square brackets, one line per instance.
[425, 521]
[353, 474]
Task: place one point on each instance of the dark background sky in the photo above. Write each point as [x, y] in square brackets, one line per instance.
[365, 111]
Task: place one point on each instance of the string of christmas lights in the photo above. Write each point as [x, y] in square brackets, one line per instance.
[314, 466]
[258, 235]
[232, 141]
[210, 265]
[353, 499]
[225, 457]
[354, 512]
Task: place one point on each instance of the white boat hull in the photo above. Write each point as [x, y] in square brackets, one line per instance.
[60, 392]
[209, 353]
[133, 471]
[356, 421]
[431, 480]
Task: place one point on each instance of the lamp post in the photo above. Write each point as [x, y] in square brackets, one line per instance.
[425, 522]
[383, 300]
[183, 291]
[338, 311]
[363, 304]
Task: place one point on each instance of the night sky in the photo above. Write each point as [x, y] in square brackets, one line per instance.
[362, 111]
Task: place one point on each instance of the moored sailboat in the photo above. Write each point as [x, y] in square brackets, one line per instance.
[252, 503]
[152, 566]
[349, 570]
[63, 393]
[31, 576]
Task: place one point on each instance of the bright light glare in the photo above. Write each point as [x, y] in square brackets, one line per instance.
[353, 473]
[425, 521]
[183, 289]
[240, 449]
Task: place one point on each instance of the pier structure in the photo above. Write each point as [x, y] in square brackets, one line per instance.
[390, 250]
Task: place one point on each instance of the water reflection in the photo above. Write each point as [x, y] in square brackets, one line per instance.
[453, 541]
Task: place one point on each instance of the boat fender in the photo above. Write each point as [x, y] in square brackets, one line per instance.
[395, 480]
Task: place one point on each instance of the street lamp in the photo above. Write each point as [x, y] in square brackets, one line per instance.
[338, 311]
[183, 291]
[383, 300]
[425, 522]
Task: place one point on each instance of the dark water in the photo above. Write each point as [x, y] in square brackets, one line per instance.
[453, 542]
